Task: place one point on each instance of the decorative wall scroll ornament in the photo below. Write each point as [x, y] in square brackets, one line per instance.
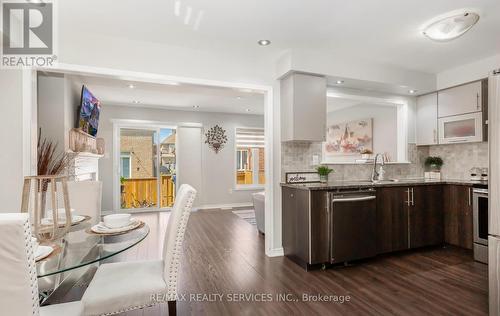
[216, 138]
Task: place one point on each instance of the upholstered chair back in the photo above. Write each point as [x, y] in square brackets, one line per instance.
[174, 236]
[18, 277]
[85, 198]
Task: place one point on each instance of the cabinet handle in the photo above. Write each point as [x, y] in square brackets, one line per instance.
[469, 197]
[412, 197]
[477, 101]
[408, 196]
[435, 136]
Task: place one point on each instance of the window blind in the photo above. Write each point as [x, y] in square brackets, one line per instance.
[250, 138]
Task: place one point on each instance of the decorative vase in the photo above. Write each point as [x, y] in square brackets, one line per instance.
[323, 178]
[43, 197]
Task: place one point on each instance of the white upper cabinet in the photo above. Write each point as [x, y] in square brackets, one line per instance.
[460, 100]
[427, 119]
[303, 107]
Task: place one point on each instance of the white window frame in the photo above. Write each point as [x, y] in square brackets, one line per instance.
[244, 187]
[119, 124]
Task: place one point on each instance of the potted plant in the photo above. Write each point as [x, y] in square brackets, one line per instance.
[434, 163]
[366, 154]
[323, 172]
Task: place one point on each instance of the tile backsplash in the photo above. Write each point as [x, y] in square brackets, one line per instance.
[458, 160]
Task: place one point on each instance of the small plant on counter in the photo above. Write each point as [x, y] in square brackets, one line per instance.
[434, 163]
[323, 172]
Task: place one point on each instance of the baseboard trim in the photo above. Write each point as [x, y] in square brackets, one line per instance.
[222, 206]
[275, 252]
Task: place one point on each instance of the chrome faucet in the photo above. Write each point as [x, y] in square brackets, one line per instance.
[375, 174]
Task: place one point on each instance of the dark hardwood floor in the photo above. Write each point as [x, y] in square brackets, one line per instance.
[223, 254]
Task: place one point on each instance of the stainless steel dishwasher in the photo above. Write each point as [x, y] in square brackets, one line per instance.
[353, 225]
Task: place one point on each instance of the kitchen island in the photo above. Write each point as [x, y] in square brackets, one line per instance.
[321, 223]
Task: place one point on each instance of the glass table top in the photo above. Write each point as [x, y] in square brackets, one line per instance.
[79, 248]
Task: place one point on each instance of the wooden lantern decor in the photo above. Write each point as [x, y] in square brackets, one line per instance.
[216, 138]
[43, 197]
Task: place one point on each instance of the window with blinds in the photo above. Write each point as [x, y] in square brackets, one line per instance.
[250, 164]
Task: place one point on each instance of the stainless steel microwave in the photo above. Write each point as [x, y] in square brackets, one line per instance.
[463, 128]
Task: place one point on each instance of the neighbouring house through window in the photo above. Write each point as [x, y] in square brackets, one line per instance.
[125, 168]
[250, 164]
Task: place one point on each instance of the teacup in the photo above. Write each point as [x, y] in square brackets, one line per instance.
[116, 220]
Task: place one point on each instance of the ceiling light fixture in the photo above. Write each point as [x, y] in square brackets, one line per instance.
[448, 27]
[196, 106]
[238, 97]
[340, 81]
[131, 86]
[412, 91]
[248, 110]
[136, 102]
[264, 42]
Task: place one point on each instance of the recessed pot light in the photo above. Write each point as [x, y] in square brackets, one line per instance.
[451, 26]
[136, 102]
[196, 106]
[412, 91]
[264, 42]
[131, 86]
[238, 97]
[248, 110]
[340, 81]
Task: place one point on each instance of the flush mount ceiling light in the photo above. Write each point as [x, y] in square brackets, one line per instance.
[264, 42]
[136, 102]
[412, 91]
[340, 81]
[131, 86]
[196, 106]
[248, 110]
[447, 28]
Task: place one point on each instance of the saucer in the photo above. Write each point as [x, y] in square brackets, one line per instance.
[102, 229]
[43, 252]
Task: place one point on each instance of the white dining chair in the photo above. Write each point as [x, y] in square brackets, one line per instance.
[85, 198]
[18, 277]
[125, 286]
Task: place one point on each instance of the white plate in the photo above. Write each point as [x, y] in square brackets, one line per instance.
[103, 229]
[74, 220]
[43, 252]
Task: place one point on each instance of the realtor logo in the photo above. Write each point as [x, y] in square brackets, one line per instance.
[28, 34]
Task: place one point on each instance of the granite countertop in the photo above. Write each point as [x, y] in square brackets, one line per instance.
[354, 184]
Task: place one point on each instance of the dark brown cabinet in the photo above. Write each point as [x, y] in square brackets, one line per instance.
[392, 219]
[305, 225]
[426, 215]
[458, 215]
[409, 217]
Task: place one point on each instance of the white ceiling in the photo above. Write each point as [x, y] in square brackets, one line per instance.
[382, 31]
[178, 97]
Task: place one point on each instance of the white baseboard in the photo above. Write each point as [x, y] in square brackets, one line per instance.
[275, 252]
[223, 206]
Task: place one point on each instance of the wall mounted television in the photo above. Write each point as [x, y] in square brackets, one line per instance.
[90, 108]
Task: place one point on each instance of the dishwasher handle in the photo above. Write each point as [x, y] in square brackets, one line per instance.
[354, 199]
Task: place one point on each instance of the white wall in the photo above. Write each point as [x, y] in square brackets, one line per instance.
[11, 140]
[469, 72]
[58, 103]
[217, 169]
[384, 126]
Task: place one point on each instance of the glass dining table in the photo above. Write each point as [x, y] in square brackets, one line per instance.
[78, 251]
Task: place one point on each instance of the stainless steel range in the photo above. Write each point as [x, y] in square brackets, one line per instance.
[480, 219]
